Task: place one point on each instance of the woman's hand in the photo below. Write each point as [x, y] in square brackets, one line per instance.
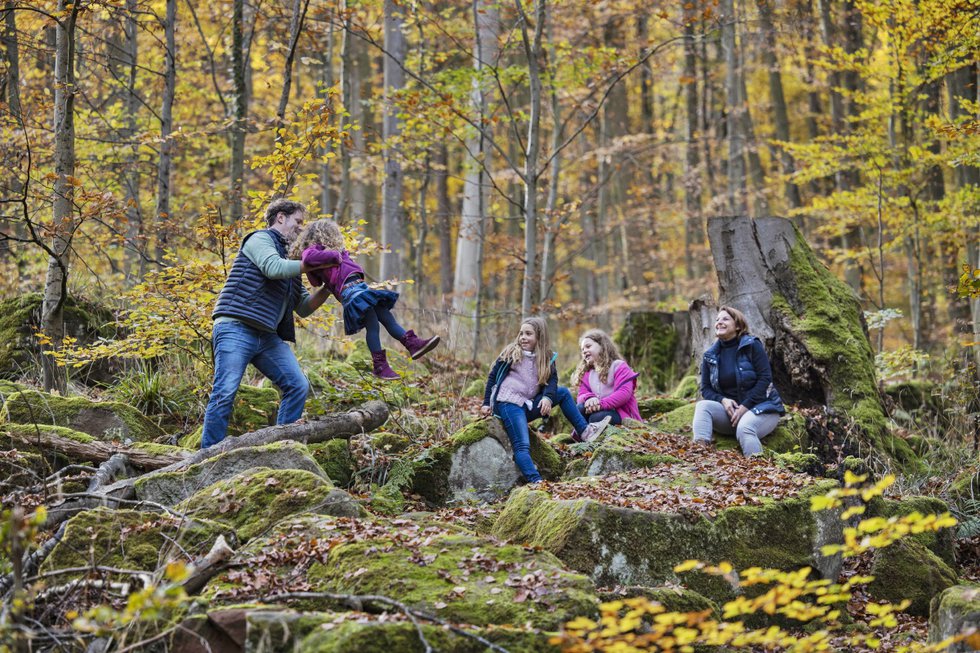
[739, 411]
[591, 405]
[544, 407]
[730, 407]
[485, 411]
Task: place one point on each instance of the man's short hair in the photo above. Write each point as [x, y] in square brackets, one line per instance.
[281, 205]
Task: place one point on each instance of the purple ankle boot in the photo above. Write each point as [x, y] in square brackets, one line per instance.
[381, 368]
[417, 347]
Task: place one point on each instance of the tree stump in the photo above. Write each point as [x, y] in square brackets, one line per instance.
[812, 326]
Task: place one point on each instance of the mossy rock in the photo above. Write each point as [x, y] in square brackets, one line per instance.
[85, 321]
[128, 539]
[104, 420]
[171, 487]
[941, 543]
[193, 439]
[338, 386]
[475, 388]
[804, 463]
[621, 546]
[255, 408]
[922, 401]
[965, 490]
[458, 576]
[619, 449]
[334, 456]
[653, 406]
[908, 570]
[366, 635]
[476, 463]
[955, 611]
[675, 599]
[253, 501]
[654, 343]
[687, 388]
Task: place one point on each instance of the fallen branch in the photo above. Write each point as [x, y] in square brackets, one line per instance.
[209, 566]
[95, 451]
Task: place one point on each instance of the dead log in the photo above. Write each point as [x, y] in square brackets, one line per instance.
[363, 419]
[209, 566]
[810, 321]
[94, 451]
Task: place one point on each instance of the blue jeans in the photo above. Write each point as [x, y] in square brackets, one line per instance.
[515, 419]
[600, 415]
[235, 345]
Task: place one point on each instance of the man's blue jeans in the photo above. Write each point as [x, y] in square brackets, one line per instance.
[236, 345]
[515, 419]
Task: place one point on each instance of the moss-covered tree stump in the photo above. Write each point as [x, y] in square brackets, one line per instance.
[657, 345]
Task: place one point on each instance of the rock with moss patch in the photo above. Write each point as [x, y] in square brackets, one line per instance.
[253, 501]
[941, 542]
[622, 449]
[953, 612]
[170, 488]
[85, 322]
[341, 385]
[105, 420]
[657, 345]
[623, 546]
[370, 635]
[475, 388]
[908, 570]
[674, 598]
[334, 456]
[477, 463]
[687, 388]
[128, 539]
[652, 407]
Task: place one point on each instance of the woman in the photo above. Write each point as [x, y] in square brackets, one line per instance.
[736, 383]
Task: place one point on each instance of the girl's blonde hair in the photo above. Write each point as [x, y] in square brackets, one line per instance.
[542, 350]
[608, 352]
[319, 232]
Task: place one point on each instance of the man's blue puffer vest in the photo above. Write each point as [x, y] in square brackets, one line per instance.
[250, 296]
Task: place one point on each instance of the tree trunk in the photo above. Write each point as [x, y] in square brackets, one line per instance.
[165, 163]
[295, 30]
[779, 111]
[12, 55]
[443, 219]
[811, 323]
[476, 184]
[327, 195]
[63, 217]
[392, 212]
[694, 220]
[135, 256]
[734, 106]
[347, 101]
[240, 111]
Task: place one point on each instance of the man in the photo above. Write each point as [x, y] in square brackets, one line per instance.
[253, 319]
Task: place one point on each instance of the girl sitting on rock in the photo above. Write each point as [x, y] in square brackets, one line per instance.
[606, 384]
[523, 386]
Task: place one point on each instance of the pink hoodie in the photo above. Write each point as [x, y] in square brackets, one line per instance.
[622, 399]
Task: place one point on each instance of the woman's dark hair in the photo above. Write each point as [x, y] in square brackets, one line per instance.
[741, 324]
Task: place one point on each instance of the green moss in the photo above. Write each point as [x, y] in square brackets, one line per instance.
[649, 343]
[471, 433]
[339, 386]
[908, 570]
[677, 421]
[127, 539]
[107, 420]
[253, 501]
[159, 449]
[335, 458]
[687, 388]
[530, 516]
[675, 599]
[389, 442]
[27, 430]
[806, 463]
[370, 636]
[193, 439]
[650, 408]
[941, 543]
[475, 388]
[488, 592]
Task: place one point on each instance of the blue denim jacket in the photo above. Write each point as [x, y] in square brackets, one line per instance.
[752, 374]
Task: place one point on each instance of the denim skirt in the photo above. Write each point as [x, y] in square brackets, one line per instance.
[360, 298]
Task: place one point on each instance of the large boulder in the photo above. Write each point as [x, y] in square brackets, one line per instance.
[86, 322]
[623, 449]
[617, 545]
[477, 462]
[130, 539]
[441, 569]
[253, 501]
[790, 435]
[104, 420]
[955, 611]
[908, 570]
[171, 487]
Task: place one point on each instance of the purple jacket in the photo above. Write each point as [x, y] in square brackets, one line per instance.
[623, 397]
[341, 267]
